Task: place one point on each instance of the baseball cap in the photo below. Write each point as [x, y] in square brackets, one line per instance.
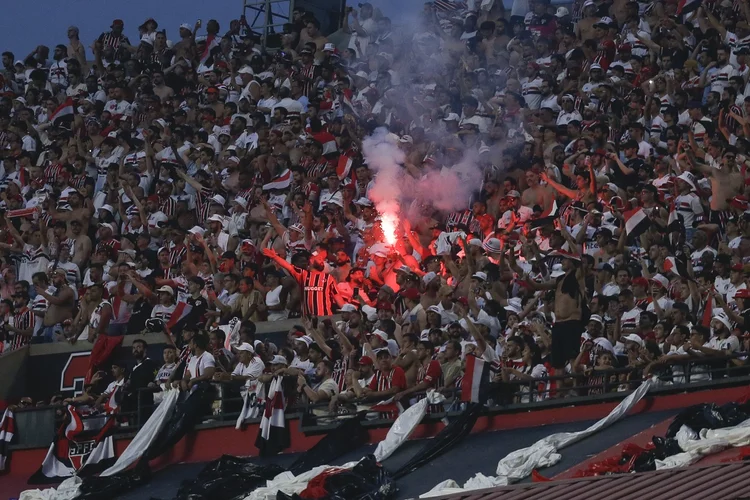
[166, 289]
[246, 347]
[562, 12]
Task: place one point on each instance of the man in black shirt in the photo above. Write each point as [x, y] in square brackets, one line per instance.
[141, 375]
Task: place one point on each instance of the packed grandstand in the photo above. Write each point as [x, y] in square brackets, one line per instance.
[495, 206]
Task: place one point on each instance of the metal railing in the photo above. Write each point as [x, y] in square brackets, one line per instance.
[504, 396]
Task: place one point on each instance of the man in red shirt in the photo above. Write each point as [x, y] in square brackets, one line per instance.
[388, 381]
[318, 289]
[429, 375]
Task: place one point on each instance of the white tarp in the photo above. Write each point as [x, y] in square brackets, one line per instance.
[146, 435]
[706, 442]
[405, 424]
[397, 435]
[519, 464]
[67, 490]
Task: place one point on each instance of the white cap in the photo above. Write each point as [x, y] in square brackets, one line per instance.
[632, 337]
[217, 198]
[370, 312]
[225, 130]
[241, 201]
[279, 360]
[406, 139]
[557, 270]
[514, 305]
[480, 276]
[246, 347]
[363, 202]
[186, 26]
[215, 218]
[381, 334]
[166, 289]
[605, 20]
[597, 318]
[108, 208]
[348, 308]
[108, 225]
[362, 74]
[306, 339]
[329, 47]
[427, 278]
[196, 230]
[245, 70]
[562, 12]
[452, 117]
[128, 251]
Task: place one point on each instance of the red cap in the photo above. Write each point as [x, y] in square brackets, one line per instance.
[742, 293]
[118, 22]
[212, 90]
[624, 47]
[464, 301]
[365, 361]
[533, 65]
[640, 281]
[154, 198]
[411, 294]
[385, 305]
[738, 267]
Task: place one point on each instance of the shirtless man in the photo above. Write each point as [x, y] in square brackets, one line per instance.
[160, 89]
[536, 194]
[61, 305]
[407, 358]
[80, 244]
[721, 189]
[570, 293]
[79, 211]
[584, 28]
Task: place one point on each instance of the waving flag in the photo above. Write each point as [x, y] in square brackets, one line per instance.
[343, 167]
[676, 266]
[82, 447]
[476, 380]
[212, 41]
[281, 182]
[636, 222]
[181, 310]
[273, 435]
[7, 431]
[547, 217]
[253, 403]
[63, 115]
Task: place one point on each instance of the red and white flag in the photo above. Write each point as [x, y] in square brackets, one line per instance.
[7, 431]
[281, 182]
[63, 114]
[344, 167]
[273, 435]
[679, 268]
[181, 310]
[476, 380]
[211, 42]
[636, 222]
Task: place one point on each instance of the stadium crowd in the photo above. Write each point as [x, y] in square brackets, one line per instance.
[190, 177]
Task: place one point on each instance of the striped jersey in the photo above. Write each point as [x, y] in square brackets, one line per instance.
[318, 290]
[382, 381]
[23, 319]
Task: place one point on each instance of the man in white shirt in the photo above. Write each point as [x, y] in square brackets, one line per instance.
[201, 366]
[249, 368]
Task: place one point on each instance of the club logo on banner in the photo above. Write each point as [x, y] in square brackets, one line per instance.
[84, 445]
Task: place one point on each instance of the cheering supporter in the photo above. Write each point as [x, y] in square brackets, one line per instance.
[562, 197]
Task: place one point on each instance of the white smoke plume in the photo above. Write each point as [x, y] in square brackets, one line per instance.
[447, 190]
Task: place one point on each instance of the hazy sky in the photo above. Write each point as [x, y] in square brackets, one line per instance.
[27, 23]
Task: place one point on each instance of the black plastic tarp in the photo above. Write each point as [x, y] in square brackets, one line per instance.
[347, 437]
[445, 440]
[228, 478]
